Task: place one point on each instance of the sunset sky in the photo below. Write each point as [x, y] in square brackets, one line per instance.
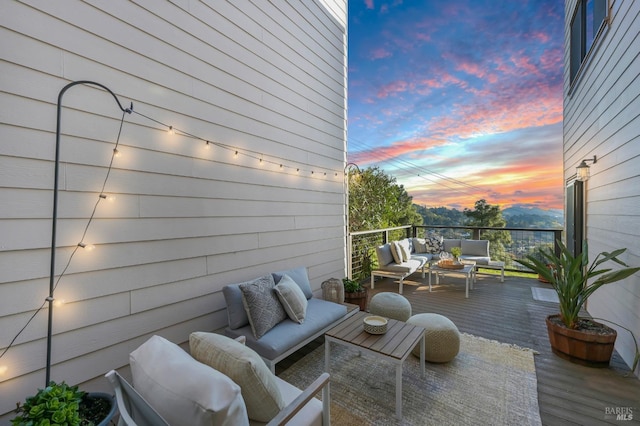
[459, 100]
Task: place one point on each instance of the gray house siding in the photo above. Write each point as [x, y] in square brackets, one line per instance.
[602, 118]
[265, 79]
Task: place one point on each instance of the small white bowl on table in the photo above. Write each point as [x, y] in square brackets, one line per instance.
[374, 324]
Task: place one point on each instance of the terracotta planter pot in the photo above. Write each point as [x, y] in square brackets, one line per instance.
[359, 298]
[581, 347]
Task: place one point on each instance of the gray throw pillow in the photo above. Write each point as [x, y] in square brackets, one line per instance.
[262, 305]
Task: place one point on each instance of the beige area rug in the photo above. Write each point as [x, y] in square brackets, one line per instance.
[488, 383]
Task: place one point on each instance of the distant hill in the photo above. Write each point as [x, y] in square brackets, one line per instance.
[533, 217]
[516, 217]
[522, 210]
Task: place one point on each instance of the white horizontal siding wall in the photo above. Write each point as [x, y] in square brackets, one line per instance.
[267, 79]
[602, 118]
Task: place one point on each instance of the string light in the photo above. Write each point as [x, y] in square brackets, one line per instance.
[112, 198]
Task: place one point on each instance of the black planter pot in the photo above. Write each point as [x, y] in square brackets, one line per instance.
[110, 399]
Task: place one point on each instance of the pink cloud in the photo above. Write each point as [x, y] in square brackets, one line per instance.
[369, 4]
[393, 88]
[380, 53]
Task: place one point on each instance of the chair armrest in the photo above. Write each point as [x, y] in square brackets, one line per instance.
[296, 405]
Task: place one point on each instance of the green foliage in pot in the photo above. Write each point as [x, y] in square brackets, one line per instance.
[351, 286]
[456, 252]
[61, 404]
[55, 404]
[574, 279]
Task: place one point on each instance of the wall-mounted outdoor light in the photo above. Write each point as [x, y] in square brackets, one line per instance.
[582, 171]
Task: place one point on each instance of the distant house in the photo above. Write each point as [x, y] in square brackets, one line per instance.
[602, 119]
[249, 180]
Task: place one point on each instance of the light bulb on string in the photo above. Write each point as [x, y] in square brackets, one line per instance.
[235, 155]
[116, 153]
[207, 145]
[171, 131]
[87, 247]
[3, 370]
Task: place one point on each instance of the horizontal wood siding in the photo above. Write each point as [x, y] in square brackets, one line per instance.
[266, 79]
[602, 118]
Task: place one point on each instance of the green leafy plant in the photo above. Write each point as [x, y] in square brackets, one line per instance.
[56, 404]
[351, 286]
[570, 275]
[456, 252]
[61, 404]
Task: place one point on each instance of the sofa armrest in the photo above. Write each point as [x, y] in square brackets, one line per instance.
[287, 413]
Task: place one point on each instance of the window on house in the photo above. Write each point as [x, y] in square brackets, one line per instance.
[589, 18]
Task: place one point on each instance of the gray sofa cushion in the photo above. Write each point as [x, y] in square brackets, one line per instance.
[448, 244]
[409, 266]
[384, 255]
[287, 334]
[475, 247]
[300, 276]
[480, 260]
[424, 257]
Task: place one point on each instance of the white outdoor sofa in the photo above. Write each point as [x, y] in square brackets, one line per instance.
[424, 251]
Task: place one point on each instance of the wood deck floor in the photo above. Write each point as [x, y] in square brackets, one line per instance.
[567, 393]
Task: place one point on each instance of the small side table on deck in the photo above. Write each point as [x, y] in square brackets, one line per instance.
[395, 345]
[468, 270]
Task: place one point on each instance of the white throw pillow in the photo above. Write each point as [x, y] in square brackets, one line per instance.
[405, 249]
[183, 390]
[396, 251]
[292, 299]
[245, 367]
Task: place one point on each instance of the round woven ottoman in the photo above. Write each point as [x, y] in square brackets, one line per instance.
[441, 337]
[390, 305]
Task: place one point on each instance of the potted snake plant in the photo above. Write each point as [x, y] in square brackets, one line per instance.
[579, 339]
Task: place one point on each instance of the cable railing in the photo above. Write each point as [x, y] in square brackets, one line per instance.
[506, 244]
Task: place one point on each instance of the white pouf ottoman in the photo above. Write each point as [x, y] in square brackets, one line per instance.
[390, 305]
[441, 337]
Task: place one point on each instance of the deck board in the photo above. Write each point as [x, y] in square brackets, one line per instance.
[567, 393]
